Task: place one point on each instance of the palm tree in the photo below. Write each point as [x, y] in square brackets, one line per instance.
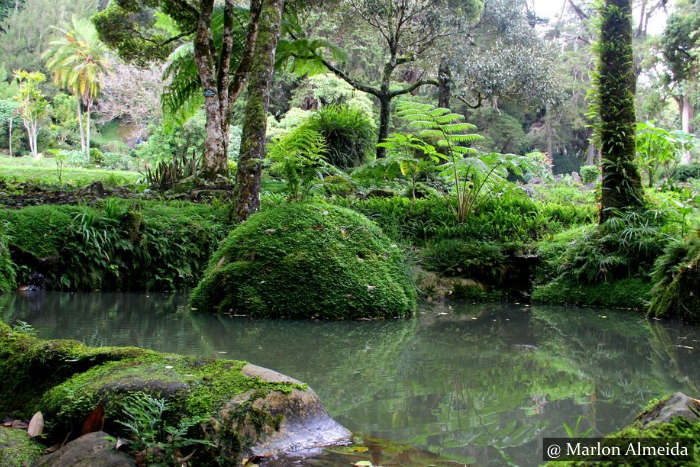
[77, 60]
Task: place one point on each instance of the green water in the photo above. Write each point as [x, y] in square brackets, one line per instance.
[477, 384]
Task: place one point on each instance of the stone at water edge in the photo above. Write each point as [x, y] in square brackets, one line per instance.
[91, 450]
[305, 425]
[678, 405]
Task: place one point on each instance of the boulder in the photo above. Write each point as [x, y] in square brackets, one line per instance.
[91, 450]
[678, 405]
[238, 407]
[305, 261]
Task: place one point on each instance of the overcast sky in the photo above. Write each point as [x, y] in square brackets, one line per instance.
[552, 9]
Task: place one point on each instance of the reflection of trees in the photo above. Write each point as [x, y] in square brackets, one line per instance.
[485, 384]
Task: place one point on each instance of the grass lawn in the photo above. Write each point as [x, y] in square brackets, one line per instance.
[44, 171]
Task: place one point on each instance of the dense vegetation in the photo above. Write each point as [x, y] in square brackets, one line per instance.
[338, 159]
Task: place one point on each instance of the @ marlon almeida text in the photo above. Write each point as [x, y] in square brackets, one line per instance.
[597, 449]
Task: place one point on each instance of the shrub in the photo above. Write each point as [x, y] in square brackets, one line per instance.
[307, 261]
[589, 173]
[349, 134]
[482, 261]
[7, 267]
[684, 173]
[676, 278]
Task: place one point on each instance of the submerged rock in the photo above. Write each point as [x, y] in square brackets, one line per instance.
[240, 409]
[91, 450]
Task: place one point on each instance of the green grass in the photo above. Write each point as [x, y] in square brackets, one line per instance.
[43, 172]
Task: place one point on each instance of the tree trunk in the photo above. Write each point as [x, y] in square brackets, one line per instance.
[80, 125]
[10, 135]
[444, 84]
[621, 188]
[384, 121]
[686, 108]
[247, 193]
[87, 127]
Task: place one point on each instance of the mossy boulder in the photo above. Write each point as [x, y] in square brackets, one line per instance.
[17, 449]
[90, 450]
[241, 408]
[307, 261]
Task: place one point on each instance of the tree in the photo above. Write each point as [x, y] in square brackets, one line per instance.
[32, 106]
[78, 61]
[27, 30]
[143, 31]
[615, 87]
[409, 31]
[679, 39]
[248, 176]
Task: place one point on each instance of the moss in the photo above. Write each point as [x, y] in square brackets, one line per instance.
[306, 261]
[624, 293]
[121, 245]
[7, 267]
[17, 449]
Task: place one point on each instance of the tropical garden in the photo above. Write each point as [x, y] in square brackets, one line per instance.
[459, 222]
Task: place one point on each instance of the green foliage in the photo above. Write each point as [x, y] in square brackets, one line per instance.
[684, 173]
[657, 147]
[32, 106]
[307, 261]
[7, 267]
[624, 293]
[590, 173]
[622, 247]
[150, 433]
[481, 261]
[300, 158]
[470, 172]
[405, 151]
[676, 278]
[349, 134]
[329, 90]
[168, 174]
[122, 246]
[18, 449]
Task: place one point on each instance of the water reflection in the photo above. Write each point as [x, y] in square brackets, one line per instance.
[470, 383]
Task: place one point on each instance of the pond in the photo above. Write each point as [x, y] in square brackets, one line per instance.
[460, 383]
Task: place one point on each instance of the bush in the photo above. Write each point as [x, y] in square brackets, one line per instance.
[676, 278]
[686, 172]
[121, 246]
[482, 261]
[589, 173]
[7, 267]
[349, 134]
[307, 261]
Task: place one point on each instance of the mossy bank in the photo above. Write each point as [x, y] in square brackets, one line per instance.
[306, 261]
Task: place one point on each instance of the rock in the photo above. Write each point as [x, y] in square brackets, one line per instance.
[304, 422]
[91, 450]
[17, 449]
[240, 407]
[678, 405]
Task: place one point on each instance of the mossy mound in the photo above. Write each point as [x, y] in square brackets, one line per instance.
[7, 267]
[17, 449]
[677, 281]
[307, 261]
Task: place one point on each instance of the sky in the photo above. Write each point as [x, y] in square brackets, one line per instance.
[552, 9]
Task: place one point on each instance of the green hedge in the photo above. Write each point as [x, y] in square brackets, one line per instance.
[120, 245]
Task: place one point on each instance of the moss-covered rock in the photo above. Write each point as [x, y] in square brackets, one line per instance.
[90, 450]
[676, 279]
[241, 408]
[7, 267]
[17, 449]
[307, 261]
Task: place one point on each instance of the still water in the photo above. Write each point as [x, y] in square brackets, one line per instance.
[460, 383]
